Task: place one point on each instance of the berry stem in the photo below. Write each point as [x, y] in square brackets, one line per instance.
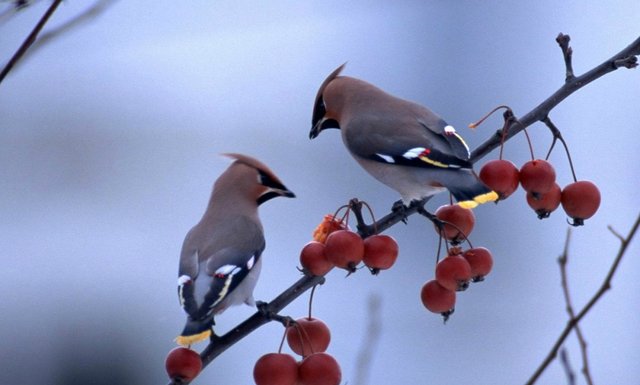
[508, 119]
[345, 217]
[557, 135]
[373, 218]
[284, 335]
[479, 122]
[526, 134]
[313, 290]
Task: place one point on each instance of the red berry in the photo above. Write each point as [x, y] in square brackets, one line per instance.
[580, 200]
[345, 249]
[380, 252]
[537, 176]
[501, 176]
[480, 261]
[438, 299]
[183, 363]
[319, 369]
[459, 224]
[308, 335]
[313, 259]
[453, 273]
[544, 204]
[276, 369]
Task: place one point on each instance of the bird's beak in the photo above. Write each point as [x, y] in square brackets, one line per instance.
[323, 124]
[287, 194]
[274, 193]
[315, 130]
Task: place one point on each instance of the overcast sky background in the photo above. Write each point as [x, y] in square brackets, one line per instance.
[109, 143]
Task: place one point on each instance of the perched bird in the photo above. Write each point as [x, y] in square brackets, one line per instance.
[221, 255]
[402, 144]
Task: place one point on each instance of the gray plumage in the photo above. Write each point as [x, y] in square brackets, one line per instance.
[402, 144]
[220, 260]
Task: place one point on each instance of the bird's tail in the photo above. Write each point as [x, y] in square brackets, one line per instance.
[469, 191]
[195, 331]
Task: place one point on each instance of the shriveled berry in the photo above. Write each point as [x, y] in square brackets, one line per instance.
[328, 225]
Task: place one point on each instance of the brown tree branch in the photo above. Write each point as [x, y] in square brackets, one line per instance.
[539, 113]
[29, 40]
[370, 340]
[31, 44]
[89, 14]
[606, 285]
[626, 58]
[566, 364]
[563, 261]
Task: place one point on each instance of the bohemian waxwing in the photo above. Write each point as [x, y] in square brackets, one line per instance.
[402, 144]
[220, 259]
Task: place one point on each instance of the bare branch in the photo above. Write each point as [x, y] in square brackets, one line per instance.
[564, 358]
[91, 13]
[29, 40]
[625, 58]
[31, 45]
[370, 340]
[563, 261]
[606, 285]
[567, 52]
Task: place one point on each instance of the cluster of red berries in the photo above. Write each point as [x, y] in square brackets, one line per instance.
[308, 337]
[580, 199]
[454, 272]
[335, 245]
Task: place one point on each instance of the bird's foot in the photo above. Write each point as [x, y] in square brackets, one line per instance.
[400, 208]
[213, 337]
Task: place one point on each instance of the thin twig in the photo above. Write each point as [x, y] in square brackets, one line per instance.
[370, 340]
[563, 261]
[557, 135]
[625, 58]
[567, 52]
[564, 358]
[606, 285]
[29, 40]
[89, 14]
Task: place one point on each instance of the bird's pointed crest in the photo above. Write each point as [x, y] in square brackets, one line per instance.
[318, 106]
[252, 162]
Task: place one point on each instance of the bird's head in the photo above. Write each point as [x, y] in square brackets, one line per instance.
[254, 179]
[327, 104]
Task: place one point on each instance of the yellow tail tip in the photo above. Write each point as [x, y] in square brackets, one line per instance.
[482, 198]
[190, 340]
[491, 196]
[467, 204]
